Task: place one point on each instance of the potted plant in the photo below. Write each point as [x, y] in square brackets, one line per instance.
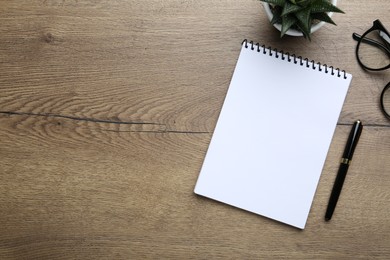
[300, 17]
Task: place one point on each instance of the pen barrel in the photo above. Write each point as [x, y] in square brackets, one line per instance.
[338, 185]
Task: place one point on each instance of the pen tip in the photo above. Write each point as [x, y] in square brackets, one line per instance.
[327, 218]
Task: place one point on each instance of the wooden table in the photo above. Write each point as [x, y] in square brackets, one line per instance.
[106, 112]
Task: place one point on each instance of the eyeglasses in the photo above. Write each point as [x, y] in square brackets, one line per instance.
[373, 53]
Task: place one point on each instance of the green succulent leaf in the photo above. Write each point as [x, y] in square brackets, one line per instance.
[303, 17]
[304, 20]
[321, 6]
[277, 18]
[290, 8]
[323, 17]
[299, 2]
[287, 22]
[306, 32]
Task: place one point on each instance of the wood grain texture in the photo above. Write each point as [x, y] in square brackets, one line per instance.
[106, 112]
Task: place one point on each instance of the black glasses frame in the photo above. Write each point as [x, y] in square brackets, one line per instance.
[385, 112]
[377, 25]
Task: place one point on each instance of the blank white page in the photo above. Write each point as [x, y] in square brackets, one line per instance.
[272, 136]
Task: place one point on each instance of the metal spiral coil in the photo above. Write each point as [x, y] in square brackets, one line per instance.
[293, 58]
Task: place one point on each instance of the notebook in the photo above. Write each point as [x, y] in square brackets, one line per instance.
[273, 134]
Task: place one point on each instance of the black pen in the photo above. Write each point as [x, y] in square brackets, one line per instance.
[345, 161]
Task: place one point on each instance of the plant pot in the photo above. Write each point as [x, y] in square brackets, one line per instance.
[293, 32]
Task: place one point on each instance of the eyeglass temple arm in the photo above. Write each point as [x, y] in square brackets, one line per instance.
[358, 37]
[382, 32]
[385, 37]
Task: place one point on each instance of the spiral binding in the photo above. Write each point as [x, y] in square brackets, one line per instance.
[293, 58]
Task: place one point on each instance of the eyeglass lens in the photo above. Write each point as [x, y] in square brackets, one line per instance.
[372, 50]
